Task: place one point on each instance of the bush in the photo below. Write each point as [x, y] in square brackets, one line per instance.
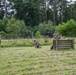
[3, 34]
[67, 29]
[38, 35]
[14, 28]
[46, 29]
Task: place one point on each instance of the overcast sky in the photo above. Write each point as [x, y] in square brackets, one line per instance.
[72, 0]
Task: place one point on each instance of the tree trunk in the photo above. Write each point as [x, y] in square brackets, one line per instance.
[45, 12]
[61, 11]
[5, 8]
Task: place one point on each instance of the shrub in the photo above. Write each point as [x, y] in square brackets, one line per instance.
[46, 29]
[67, 29]
[38, 35]
[3, 34]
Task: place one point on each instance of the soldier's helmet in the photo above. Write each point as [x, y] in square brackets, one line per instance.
[34, 40]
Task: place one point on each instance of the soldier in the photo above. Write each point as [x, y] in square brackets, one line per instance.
[36, 44]
[55, 36]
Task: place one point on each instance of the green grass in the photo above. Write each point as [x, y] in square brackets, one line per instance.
[24, 42]
[32, 61]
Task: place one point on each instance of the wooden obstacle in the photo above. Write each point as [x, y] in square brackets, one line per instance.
[63, 44]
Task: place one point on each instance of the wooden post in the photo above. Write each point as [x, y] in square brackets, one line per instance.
[73, 43]
[56, 44]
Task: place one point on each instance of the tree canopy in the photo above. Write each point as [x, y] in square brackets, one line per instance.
[30, 17]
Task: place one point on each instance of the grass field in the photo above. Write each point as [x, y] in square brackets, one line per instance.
[32, 61]
[24, 42]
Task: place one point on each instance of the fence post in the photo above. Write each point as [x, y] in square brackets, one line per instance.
[56, 44]
[73, 43]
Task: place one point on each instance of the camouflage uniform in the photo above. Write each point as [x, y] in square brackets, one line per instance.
[55, 36]
[36, 44]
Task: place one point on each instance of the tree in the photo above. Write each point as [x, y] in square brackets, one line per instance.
[3, 24]
[38, 35]
[27, 10]
[54, 9]
[46, 29]
[6, 9]
[67, 29]
[15, 28]
[70, 12]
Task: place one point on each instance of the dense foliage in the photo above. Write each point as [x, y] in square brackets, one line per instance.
[36, 18]
[34, 12]
[46, 29]
[12, 28]
[67, 29]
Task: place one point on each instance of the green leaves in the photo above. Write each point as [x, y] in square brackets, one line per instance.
[15, 28]
[28, 10]
[67, 29]
[38, 35]
[46, 29]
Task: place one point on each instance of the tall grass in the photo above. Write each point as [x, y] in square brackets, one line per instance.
[24, 42]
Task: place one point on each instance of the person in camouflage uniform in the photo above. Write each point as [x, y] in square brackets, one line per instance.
[56, 36]
[36, 44]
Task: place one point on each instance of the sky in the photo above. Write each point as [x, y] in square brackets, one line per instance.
[72, 0]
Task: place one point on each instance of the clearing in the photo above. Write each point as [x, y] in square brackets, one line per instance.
[32, 61]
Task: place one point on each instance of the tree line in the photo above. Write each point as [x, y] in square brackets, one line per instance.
[36, 17]
[12, 28]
